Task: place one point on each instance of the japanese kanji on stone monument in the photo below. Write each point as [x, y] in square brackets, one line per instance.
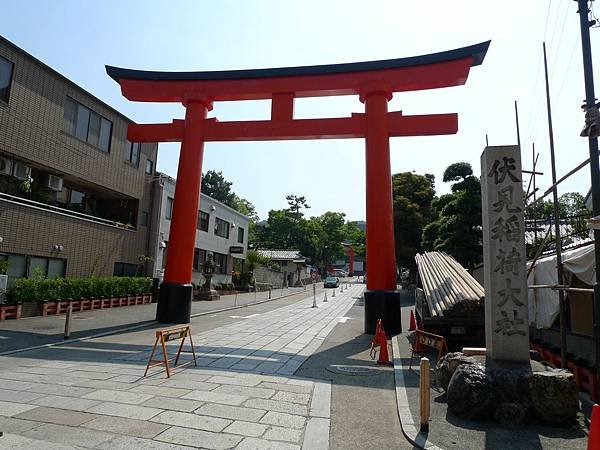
[504, 257]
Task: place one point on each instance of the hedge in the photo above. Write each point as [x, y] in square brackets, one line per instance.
[31, 290]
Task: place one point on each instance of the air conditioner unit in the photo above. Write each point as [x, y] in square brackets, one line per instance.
[53, 182]
[21, 170]
[5, 166]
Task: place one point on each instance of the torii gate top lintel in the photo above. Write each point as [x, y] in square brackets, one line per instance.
[435, 70]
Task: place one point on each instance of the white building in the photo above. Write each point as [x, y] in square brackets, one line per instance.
[220, 230]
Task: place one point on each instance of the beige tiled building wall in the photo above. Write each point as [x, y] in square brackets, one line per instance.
[33, 129]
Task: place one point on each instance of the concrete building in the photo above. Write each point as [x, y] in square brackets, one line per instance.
[75, 195]
[220, 230]
[293, 267]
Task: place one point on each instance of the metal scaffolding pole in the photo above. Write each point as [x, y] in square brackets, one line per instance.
[559, 266]
[590, 101]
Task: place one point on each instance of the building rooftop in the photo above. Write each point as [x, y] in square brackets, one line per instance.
[283, 255]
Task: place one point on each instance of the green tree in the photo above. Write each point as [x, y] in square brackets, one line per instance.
[412, 197]
[296, 204]
[355, 237]
[216, 186]
[457, 226]
[332, 228]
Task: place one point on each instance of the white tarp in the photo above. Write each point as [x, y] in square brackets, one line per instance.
[543, 303]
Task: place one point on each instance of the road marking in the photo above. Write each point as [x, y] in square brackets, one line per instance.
[244, 317]
[344, 319]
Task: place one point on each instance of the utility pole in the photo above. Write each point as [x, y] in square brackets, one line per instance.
[590, 101]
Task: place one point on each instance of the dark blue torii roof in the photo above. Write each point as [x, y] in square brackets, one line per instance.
[477, 52]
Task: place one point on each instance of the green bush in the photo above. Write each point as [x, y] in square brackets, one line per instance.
[225, 287]
[39, 290]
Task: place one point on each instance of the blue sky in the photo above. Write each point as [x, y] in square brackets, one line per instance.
[78, 38]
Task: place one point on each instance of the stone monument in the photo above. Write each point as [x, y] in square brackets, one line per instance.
[504, 256]
[506, 385]
[207, 292]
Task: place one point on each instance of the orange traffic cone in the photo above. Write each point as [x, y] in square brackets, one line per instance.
[413, 323]
[594, 434]
[384, 357]
[377, 337]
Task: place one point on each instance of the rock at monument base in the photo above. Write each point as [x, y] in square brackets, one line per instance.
[511, 393]
[510, 414]
[447, 365]
[470, 393]
[554, 396]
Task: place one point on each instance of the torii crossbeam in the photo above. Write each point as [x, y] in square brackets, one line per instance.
[374, 82]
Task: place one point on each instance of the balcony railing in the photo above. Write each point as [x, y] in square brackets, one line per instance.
[7, 198]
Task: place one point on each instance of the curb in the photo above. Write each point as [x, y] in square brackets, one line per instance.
[137, 327]
[407, 424]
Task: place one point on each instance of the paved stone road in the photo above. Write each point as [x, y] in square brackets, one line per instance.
[34, 331]
[242, 394]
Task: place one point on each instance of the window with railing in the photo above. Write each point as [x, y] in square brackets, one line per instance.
[169, 206]
[132, 153]
[203, 221]
[220, 263]
[199, 259]
[222, 228]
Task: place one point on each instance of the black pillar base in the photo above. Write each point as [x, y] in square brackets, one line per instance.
[174, 303]
[383, 305]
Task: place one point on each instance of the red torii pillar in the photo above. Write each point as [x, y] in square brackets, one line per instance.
[373, 81]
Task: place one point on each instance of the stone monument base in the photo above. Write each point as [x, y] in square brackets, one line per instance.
[207, 295]
[509, 393]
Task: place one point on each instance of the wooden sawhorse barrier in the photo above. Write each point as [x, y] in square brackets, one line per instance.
[171, 334]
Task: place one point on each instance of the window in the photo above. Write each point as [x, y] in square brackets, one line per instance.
[220, 263]
[6, 70]
[149, 167]
[203, 221]
[77, 197]
[127, 270]
[240, 235]
[132, 153]
[199, 258]
[222, 228]
[24, 266]
[169, 212]
[144, 219]
[87, 125]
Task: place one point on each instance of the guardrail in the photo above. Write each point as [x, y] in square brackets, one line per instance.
[13, 199]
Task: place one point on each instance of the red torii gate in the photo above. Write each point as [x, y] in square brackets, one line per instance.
[374, 82]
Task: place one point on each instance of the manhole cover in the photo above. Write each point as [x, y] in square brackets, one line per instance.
[355, 370]
[82, 318]
[44, 328]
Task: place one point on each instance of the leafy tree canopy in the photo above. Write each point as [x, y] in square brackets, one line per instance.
[457, 171]
[216, 186]
[456, 224]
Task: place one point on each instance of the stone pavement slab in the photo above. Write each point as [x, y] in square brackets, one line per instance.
[56, 416]
[61, 434]
[194, 438]
[130, 427]
[9, 409]
[91, 394]
[16, 442]
[173, 404]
